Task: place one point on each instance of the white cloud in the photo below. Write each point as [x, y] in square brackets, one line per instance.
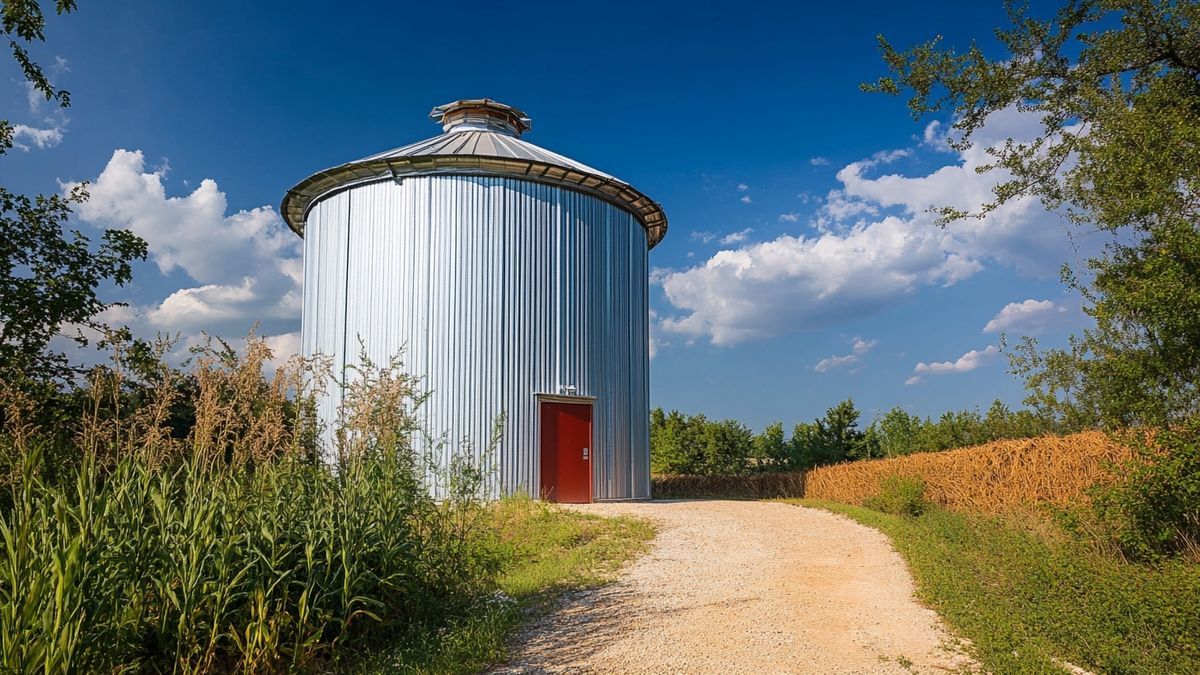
[793, 282]
[1029, 317]
[789, 217]
[965, 363]
[818, 161]
[653, 337]
[247, 264]
[53, 126]
[33, 97]
[703, 237]
[745, 199]
[876, 243]
[25, 137]
[736, 237]
[283, 347]
[742, 187]
[859, 348]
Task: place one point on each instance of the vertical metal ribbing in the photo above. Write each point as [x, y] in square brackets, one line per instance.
[499, 289]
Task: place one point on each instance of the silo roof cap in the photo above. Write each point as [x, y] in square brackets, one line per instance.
[480, 137]
[482, 114]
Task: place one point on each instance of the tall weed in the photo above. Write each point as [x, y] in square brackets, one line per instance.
[229, 546]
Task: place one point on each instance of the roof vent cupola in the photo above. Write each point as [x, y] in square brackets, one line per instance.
[480, 114]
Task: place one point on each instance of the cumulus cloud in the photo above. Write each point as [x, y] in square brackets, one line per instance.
[746, 199]
[859, 347]
[25, 137]
[742, 187]
[793, 282]
[1029, 317]
[736, 237]
[818, 161]
[789, 217]
[965, 363]
[246, 265]
[52, 126]
[937, 136]
[876, 242]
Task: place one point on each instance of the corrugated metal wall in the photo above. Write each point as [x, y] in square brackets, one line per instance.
[498, 290]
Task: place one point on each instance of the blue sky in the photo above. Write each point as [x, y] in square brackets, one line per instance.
[800, 267]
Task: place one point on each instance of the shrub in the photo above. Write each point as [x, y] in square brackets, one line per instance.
[901, 495]
[1155, 510]
[754, 486]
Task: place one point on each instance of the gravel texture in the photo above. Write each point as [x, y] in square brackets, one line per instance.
[745, 587]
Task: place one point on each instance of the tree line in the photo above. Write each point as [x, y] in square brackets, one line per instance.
[695, 444]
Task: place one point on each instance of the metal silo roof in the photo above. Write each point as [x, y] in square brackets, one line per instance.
[481, 137]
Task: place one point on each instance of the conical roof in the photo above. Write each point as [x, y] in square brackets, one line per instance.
[481, 137]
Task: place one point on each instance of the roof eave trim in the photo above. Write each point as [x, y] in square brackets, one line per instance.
[300, 199]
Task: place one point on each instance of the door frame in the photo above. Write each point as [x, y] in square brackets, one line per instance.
[571, 399]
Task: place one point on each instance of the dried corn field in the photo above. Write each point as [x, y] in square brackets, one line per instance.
[994, 477]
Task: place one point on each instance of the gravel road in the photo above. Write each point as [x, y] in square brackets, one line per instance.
[745, 587]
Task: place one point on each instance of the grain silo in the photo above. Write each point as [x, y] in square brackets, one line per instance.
[516, 282]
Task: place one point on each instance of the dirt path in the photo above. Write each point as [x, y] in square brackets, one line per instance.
[745, 587]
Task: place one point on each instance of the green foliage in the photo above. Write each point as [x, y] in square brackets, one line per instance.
[544, 551]
[1155, 510]
[900, 433]
[1116, 87]
[1026, 594]
[49, 280]
[130, 544]
[675, 442]
[22, 21]
[49, 277]
[694, 445]
[771, 446]
[727, 447]
[899, 495]
[200, 567]
[229, 548]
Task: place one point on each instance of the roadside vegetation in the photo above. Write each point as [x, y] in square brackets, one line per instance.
[1109, 582]
[694, 445]
[546, 551]
[1029, 594]
[164, 518]
[185, 523]
[1103, 572]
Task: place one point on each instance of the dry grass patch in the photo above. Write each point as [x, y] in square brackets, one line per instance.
[990, 478]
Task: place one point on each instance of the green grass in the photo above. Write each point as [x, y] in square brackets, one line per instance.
[546, 551]
[1027, 594]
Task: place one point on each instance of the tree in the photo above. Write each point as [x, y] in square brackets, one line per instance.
[693, 444]
[1115, 85]
[728, 445]
[839, 432]
[898, 432]
[49, 277]
[831, 439]
[771, 447]
[806, 448]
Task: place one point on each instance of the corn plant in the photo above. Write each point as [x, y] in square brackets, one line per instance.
[228, 548]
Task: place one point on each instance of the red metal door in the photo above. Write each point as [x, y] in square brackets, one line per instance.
[567, 452]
